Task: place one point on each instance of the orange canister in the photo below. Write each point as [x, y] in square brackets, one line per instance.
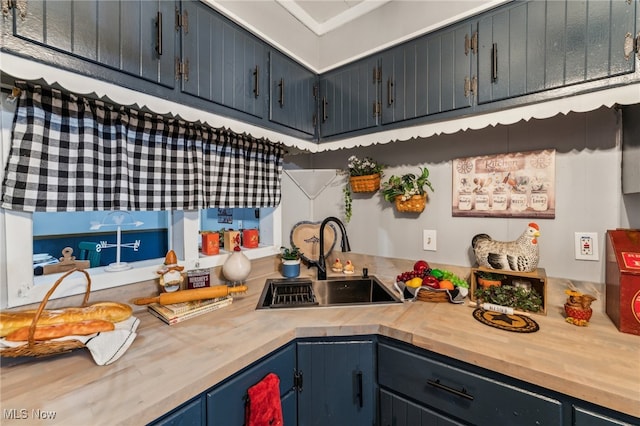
[210, 243]
[250, 238]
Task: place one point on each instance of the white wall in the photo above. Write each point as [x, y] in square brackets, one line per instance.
[588, 193]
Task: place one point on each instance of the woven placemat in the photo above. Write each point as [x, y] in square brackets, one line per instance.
[513, 322]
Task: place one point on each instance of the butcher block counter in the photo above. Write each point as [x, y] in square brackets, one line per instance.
[168, 365]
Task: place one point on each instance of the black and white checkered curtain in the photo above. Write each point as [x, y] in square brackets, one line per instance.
[71, 153]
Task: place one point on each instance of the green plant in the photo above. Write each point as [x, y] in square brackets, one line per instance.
[492, 276]
[364, 167]
[347, 202]
[406, 185]
[513, 297]
[292, 253]
[358, 167]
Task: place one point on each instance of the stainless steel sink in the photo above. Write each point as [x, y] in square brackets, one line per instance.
[334, 291]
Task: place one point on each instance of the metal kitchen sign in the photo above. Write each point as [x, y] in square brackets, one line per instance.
[520, 184]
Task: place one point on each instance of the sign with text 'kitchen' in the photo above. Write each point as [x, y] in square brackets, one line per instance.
[520, 184]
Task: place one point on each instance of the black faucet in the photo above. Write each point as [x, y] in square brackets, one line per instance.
[344, 243]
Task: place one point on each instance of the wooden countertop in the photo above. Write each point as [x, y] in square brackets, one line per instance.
[168, 365]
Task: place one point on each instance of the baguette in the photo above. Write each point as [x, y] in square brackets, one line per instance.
[108, 311]
[48, 332]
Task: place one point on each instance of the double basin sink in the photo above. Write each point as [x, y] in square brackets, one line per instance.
[334, 291]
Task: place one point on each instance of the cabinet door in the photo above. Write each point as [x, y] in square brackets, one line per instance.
[226, 403]
[541, 45]
[394, 63]
[348, 98]
[222, 62]
[292, 94]
[133, 36]
[584, 417]
[338, 383]
[397, 411]
[449, 69]
[189, 414]
[462, 394]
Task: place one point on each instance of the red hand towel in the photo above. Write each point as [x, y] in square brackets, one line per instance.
[263, 408]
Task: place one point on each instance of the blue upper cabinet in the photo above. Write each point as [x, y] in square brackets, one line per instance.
[221, 62]
[429, 75]
[533, 46]
[293, 93]
[349, 97]
[136, 37]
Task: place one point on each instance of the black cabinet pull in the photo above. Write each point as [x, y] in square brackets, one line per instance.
[461, 393]
[359, 391]
[159, 33]
[324, 109]
[494, 63]
[389, 92]
[256, 81]
[281, 100]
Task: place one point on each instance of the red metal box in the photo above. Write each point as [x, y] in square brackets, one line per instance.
[623, 279]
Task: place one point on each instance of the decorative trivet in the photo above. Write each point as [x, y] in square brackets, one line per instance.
[509, 322]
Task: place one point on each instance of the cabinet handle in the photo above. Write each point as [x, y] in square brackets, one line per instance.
[359, 391]
[462, 393]
[389, 92]
[159, 33]
[281, 100]
[494, 63]
[256, 81]
[324, 109]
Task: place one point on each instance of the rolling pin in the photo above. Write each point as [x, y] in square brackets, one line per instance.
[189, 295]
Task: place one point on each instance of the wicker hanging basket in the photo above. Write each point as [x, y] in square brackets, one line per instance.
[48, 347]
[368, 183]
[415, 204]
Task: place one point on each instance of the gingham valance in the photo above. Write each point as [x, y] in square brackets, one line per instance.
[72, 153]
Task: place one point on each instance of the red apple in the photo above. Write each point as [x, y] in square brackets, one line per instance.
[420, 266]
[431, 281]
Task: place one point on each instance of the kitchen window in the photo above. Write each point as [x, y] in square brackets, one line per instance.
[123, 159]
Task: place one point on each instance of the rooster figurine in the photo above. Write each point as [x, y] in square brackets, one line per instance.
[520, 255]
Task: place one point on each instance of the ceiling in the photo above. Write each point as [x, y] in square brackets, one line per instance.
[322, 16]
[324, 34]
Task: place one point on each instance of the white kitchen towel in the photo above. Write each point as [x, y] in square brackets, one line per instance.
[105, 347]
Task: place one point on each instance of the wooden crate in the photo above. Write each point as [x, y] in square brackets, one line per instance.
[537, 280]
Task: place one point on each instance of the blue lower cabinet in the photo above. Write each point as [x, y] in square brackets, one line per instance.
[338, 383]
[462, 394]
[188, 414]
[225, 404]
[585, 417]
[397, 411]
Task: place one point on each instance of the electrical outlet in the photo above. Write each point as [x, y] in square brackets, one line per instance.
[429, 239]
[586, 245]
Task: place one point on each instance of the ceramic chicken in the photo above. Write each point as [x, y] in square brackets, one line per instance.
[520, 255]
[349, 268]
[337, 266]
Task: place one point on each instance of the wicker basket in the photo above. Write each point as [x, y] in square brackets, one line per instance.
[437, 296]
[368, 183]
[415, 204]
[48, 347]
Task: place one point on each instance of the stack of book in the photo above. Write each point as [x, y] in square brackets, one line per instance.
[178, 312]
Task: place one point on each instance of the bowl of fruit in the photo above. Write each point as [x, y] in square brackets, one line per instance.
[425, 284]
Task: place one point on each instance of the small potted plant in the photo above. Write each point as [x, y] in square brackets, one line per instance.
[489, 279]
[408, 191]
[290, 261]
[364, 176]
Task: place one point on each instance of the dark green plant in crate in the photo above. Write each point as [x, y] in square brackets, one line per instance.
[513, 297]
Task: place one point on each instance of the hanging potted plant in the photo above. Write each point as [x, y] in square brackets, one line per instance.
[408, 191]
[364, 176]
[290, 261]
